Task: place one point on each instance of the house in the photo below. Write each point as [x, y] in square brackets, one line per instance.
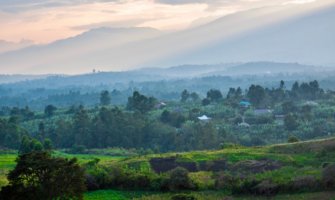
[245, 104]
[160, 105]
[204, 118]
[244, 124]
[311, 103]
[259, 112]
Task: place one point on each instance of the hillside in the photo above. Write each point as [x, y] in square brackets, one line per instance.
[284, 167]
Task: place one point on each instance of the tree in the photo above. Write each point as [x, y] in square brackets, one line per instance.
[47, 144]
[179, 179]
[290, 122]
[214, 95]
[105, 98]
[39, 176]
[282, 85]
[82, 128]
[184, 96]
[256, 94]
[41, 130]
[288, 107]
[205, 102]
[49, 110]
[140, 102]
[194, 96]
[29, 145]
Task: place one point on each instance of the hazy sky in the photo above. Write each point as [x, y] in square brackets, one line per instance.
[43, 21]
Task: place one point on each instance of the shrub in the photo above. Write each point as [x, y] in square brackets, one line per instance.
[328, 176]
[226, 181]
[179, 179]
[267, 188]
[245, 186]
[78, 149]
[304, 184]
[292, 139]
[91, 183]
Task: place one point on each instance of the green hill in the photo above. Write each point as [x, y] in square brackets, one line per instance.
[292, 168]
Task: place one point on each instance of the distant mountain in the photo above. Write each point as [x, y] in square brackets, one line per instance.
[267, 68]
[6, 46]
[159, 74]
[72, 55]
[289, 34]
[6, 79]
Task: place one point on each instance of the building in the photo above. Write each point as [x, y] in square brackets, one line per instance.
[245, 104]
[262, 112]
[204, 118]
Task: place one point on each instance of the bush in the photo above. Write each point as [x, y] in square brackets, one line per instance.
[78, 149]
[328, 176]
[179, 180]
[226, 182]
[267, 188]
[91, 183]
[183, 197]
[304, 184]
[292, 139]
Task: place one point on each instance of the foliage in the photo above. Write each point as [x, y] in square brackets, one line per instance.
[328, 176]
[39, 176]
[141, 103]
[50, 110]
[105, 98]
[180, 180]
[292, 139]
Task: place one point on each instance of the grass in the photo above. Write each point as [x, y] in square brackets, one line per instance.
[204, 195]
[114, 195]
[7, 162]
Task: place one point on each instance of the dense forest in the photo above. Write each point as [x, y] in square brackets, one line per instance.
[252, 117]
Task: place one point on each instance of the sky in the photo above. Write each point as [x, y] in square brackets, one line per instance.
[44, 21]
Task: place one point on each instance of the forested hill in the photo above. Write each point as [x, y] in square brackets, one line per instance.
[156, 74]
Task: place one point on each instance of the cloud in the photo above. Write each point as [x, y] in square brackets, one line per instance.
[47, 20]
[25, 5]
[117, 24]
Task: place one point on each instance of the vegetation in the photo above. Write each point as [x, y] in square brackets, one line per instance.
[227, 144]
[39, 176]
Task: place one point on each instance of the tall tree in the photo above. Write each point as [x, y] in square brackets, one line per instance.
[256, 94]
[49, 110]
[105, 98]
[40, 176]
[184, 96]
[214, 95]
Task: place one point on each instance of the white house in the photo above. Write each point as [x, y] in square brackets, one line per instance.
[204, 118]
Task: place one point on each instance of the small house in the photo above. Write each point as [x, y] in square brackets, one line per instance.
[259, 112]
[204, 118]
[244, 124]
[311, 103]
[160, 105]
[245, 104]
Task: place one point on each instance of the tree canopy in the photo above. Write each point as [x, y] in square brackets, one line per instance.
[39, 176]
